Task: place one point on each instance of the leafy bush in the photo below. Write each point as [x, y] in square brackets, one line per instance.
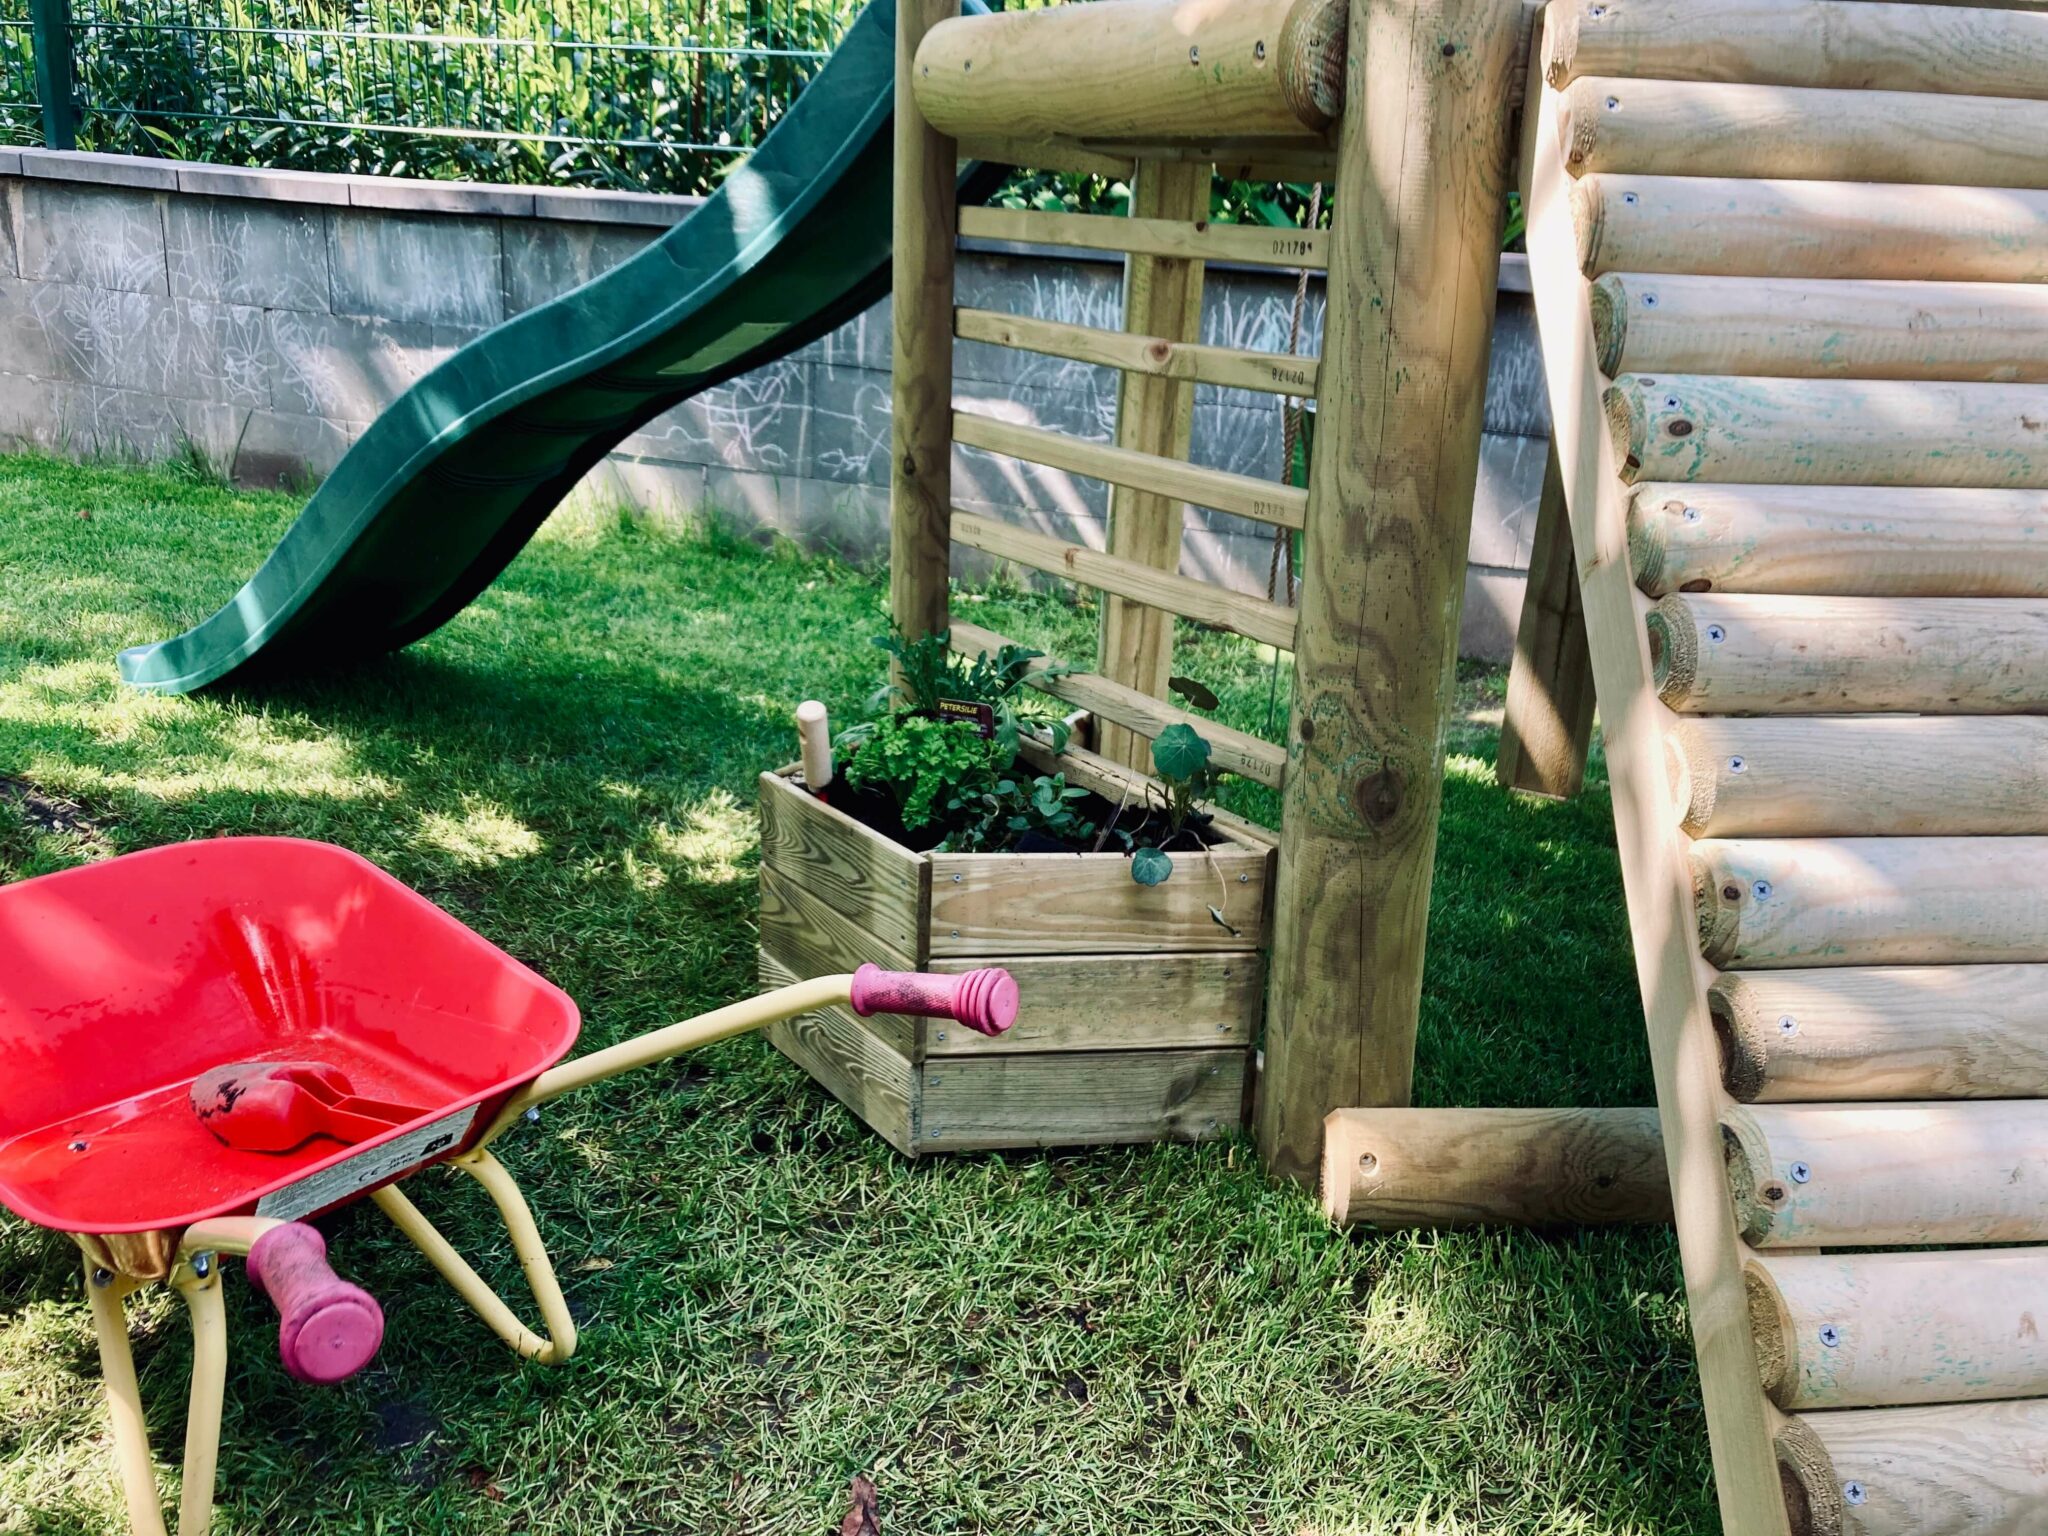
[924, 763]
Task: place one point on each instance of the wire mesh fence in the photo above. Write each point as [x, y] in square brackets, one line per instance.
[658, 95]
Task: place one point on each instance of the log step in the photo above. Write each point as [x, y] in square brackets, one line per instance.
[1886, 1032]
[1888, 1330]
[1710, 128]
[1821, 43]
[1860, 776]
[1791, 328]
[1694, 428]
[1888, 1175]
[1961, 1469]
[1767, 654]
[1839, 540]
[1785, 903]
[1728, 227]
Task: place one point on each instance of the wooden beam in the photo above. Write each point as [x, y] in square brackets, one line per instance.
[1253, 617]
[1424, 169]
[1678, 128]
[1246, 495]
[1197, 241]
[1922, 1471]
[1493, 1167]
[1233, 751]
[1656, 873]
[921, 355]
[1161, 69]
[1730, 227]
[1546, 727]
[1960, 50]
[1273, 373]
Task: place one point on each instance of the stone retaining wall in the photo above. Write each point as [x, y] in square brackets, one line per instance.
[152, 308]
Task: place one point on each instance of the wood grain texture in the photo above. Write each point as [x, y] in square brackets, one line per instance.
[1424, 168]
[1845, 44]
[1693, 427]
[1150, 68]
[1893, 1329]
[1547, 724]
[1839, 540]
[1963, 1469]
[1154, 423]
[879, 886]
[1123, 786]
[1726, 653]
[850, 1061]
[1493, 1167]
[1252, 617]
[1771, 903]
[1091, 1003]
[1889, 1175]
[1886, 1032]
[1827, 776]
[921, 345]
[808, 939]
[1656, 877]
[1679, 128]
[1095, 1098]
[1087, 903]
[1231, 750]
[1273, 373]
[1728, 227]
[1797, 328]
[1203, 241]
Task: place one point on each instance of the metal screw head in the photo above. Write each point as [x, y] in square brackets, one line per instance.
[1596, 11]
[1671, 402]
[1368, 1161]
[1761, 890]
[78, 1146]
[941, 1034]
[1649, 301]
[1630, 198]
[1853, 1493]
[102, 1278]
[1692, 514]
[1259, 50]
[957, 879]
[1787, 1025]
[532, 1116]
[1242, 879]
[1194, 55]
[1716, 633]
[1801, 1173]
[1830, 1335]
[202, 1264]
[1738, 765]
[1614, 103]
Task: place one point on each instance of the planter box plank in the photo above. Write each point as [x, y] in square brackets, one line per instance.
[1115, 1003]
[1087, 903]
[879, 885]
[850, 1060]
[1059, 1100]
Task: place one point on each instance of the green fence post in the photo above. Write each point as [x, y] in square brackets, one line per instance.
[52, 21]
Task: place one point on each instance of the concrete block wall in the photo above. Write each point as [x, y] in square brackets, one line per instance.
[151, 308]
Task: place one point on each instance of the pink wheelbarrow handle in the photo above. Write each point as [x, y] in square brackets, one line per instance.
[327, 1329]
[984, 1000]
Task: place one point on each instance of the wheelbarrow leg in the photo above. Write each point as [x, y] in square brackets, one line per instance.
[559, 1342]
[108, 1293]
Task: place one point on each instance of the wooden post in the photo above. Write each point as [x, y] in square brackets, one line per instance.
[921, 398]
[1422, 177]
[1163, 298]
[1548, 722]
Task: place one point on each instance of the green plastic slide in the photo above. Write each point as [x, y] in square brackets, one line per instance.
[445, 487]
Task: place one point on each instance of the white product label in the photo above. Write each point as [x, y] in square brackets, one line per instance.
[330, 1186]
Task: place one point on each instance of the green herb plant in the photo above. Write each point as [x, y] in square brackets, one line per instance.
[924, 763]
[929, 670]
[1180, 761]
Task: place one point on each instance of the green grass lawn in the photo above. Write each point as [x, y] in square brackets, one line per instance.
[1123, 1342]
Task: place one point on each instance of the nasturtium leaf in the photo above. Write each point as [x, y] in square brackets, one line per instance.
[1179, 752]
[1150, 867]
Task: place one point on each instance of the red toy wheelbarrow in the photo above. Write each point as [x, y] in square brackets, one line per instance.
[206, 1043]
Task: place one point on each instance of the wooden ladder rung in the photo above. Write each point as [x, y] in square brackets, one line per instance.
[1273, 373]
[1731, 227]
[1772, 903]
[1952, 1469]
[1850, 655]
[1246, 495]
[1231, 750]
[1710, 128]
[1252, 617]
[1861, 1034]
[1839, 540]
[1888, 1330]
[1250, 244]
[1888, 1175]
[1968, 50]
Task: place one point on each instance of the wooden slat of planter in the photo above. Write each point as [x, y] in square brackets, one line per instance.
[1091, 770]
[1151, 237]
[850, 1060]
[1087, 903]
[861, 875]
[1232, 751]
[811, 939]
[1115, 1003]
[1096, 1097]
[1273, 373]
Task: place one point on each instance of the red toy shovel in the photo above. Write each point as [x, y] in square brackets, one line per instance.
[274, 1106]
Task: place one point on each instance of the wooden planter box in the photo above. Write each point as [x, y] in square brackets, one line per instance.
[1139, 1007]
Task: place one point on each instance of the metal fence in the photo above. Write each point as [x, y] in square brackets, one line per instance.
[652, 94]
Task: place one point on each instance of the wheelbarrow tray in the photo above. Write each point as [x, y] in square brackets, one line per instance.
[121, 982]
